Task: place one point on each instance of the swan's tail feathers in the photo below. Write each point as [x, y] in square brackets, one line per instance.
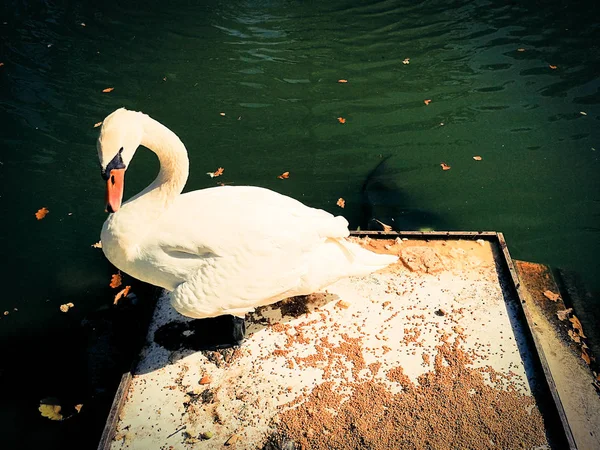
[364, 261]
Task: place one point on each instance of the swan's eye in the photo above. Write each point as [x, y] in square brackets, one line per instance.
[112, 179]
[121, 150]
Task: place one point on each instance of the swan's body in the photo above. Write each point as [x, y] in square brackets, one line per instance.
[223, 250]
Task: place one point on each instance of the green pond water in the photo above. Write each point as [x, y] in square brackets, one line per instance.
[272, 68]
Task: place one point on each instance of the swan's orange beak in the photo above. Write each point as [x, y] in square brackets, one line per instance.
[114, 190]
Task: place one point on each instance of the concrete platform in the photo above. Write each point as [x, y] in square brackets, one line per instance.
[433, 351]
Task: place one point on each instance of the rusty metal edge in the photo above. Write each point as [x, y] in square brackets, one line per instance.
[110, 427]
[516, 282]
[496, 237]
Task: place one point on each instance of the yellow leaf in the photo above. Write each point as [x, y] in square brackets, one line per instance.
[284, 175]
[406, 61]
[342, 81]
[427, 102]
[52, 412]
[341, 120]
[341, 202]
[445, 166]
[109, 89]
[97, 124]
[477, 158]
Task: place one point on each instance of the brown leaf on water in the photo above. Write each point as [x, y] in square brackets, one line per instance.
[427, 102]
[341, 120]
[216, 173]
[477, 158]
[341, 202]
[78, 407]
[109, 89]
[553, 67]
[122, 293]
[520, 49]
[386, 228]
[97, 124]
[115, 280]
[406, 61]
[551, 295]
[577, 326]
[1, 64]
[562, 314]
[41, 213]
[65, 308]
[445, 166]
[342, 81]
[284, 175]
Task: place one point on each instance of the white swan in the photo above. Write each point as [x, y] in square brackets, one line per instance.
[222, 250]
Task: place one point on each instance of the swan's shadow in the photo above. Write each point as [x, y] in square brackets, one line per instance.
[218, 338]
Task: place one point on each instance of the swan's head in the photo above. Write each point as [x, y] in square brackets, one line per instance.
[120, 136]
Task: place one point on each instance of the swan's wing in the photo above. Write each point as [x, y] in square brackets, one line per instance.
[241, 246]
[227, 221]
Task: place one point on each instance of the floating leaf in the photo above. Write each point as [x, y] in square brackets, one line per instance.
[386, 228]
[562, 314]
[216, 173]
[445, 166]
[109, 89]
[221, 113]
[65, 308]
[122, 293]
[342, 81]
[97, 124]
[41, 213]
[520, 49]
[115, 280]
[553, 67]
[551, 295]
[52, 412]
[406, 61]
[583, 113]
[427, 102]
[477, 158]
[341, 120]
[284, 175]
[82, 24]
[97, 244]
[341, 202]
[78, 407]
[1, 64]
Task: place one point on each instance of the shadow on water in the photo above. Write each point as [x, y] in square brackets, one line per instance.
[386, 200]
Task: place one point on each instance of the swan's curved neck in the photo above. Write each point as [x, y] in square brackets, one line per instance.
[174, 170]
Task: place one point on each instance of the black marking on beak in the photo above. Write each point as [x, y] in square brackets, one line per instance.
[115, 163]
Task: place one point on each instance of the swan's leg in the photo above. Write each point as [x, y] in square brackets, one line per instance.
[202, 334]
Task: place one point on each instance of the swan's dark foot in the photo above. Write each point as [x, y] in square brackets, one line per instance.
[202, 334]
